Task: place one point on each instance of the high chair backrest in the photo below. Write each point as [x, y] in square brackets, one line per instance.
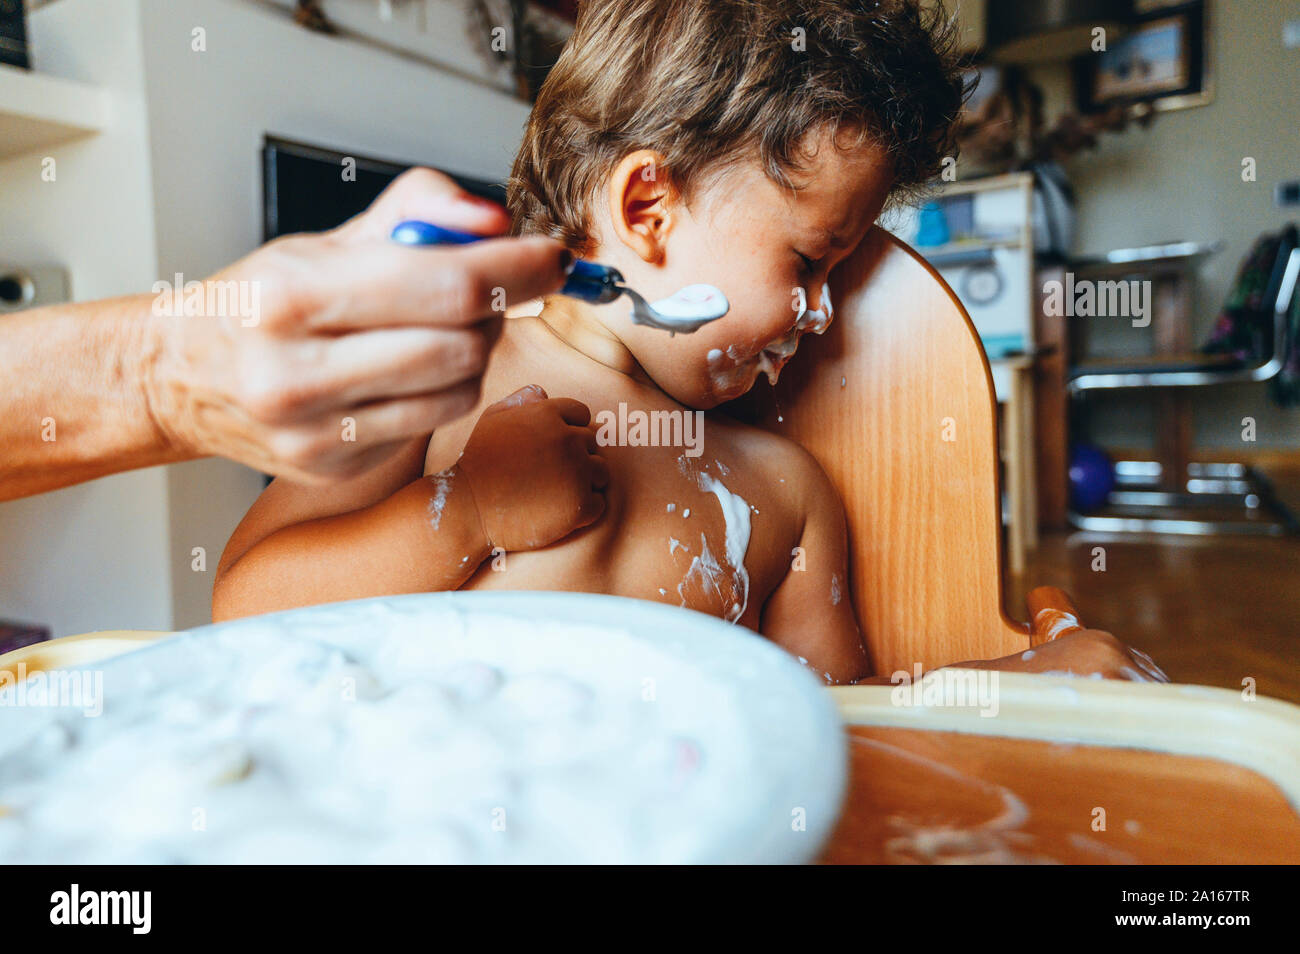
[896, 402]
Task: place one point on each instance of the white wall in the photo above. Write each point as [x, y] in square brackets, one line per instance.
[175, 186]
[93, 556]
[437, 31]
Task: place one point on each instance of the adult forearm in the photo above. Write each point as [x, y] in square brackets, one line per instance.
[73, 404]
[276, 357]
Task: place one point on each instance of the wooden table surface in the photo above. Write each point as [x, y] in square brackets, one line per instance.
[932, 797]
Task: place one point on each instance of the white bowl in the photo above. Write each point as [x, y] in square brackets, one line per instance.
[624, 730]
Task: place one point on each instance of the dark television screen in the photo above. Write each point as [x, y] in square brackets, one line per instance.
[303, 189]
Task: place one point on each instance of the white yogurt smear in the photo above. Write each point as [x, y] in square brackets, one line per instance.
[441, 487]
[809, 320]
[705, 570]
[815, 320]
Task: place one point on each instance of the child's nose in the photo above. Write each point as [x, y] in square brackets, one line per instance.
[818, 310]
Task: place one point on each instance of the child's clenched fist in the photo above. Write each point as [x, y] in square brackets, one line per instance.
[533, 469]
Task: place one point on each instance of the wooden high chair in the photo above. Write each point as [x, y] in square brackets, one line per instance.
[896, 402]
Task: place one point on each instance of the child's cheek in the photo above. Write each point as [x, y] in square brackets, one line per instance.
[770, 311]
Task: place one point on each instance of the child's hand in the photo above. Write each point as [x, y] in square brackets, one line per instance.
[532, 466]
[1085, 652]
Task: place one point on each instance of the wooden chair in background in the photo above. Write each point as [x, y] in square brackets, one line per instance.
[896, 402]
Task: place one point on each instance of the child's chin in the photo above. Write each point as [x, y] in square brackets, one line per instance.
[731, 393]
[729, 386]
[706, 400]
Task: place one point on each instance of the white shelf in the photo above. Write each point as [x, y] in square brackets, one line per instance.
[38, 111]
[935, 254]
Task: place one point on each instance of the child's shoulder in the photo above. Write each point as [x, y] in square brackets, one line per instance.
[781, 460]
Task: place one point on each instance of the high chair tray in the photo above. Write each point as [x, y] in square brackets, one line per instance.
[1070, 771]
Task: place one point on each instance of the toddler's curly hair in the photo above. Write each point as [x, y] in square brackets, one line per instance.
[706, 83]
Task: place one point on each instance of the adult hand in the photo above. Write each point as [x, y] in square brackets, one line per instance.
[345, 344]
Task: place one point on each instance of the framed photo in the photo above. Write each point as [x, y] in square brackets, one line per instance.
[1164, 60]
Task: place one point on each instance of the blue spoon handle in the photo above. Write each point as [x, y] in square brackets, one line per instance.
[587, 280]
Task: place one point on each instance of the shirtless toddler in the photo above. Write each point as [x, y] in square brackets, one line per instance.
[704, 142]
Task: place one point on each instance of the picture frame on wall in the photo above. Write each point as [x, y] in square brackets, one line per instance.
[1163, 60]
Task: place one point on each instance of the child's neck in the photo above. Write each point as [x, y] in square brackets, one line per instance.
[577, 325]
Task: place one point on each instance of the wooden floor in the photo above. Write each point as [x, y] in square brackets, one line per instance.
[1213, 611]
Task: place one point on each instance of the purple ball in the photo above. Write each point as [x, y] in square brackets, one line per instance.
[1092, 477]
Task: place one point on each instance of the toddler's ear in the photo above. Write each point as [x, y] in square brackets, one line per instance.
[640, 205]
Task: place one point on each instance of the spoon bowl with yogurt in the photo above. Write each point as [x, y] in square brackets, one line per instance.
[687, 310]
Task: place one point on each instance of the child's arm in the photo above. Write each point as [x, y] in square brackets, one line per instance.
[802, 616]
[433, 532]
[1086, 652]
[810, 613]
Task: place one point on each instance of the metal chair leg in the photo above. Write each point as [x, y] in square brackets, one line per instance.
[1221, 485]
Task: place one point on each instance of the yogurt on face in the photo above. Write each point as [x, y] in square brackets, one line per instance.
[815, 320]
[809, 320]
[729, 371]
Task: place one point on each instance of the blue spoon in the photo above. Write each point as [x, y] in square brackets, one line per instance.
[688, 310]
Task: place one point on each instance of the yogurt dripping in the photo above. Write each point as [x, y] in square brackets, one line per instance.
[809, 320]
[732, 370]
[705, 570]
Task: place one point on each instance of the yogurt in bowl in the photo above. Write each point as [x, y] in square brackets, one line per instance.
[450, 727]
